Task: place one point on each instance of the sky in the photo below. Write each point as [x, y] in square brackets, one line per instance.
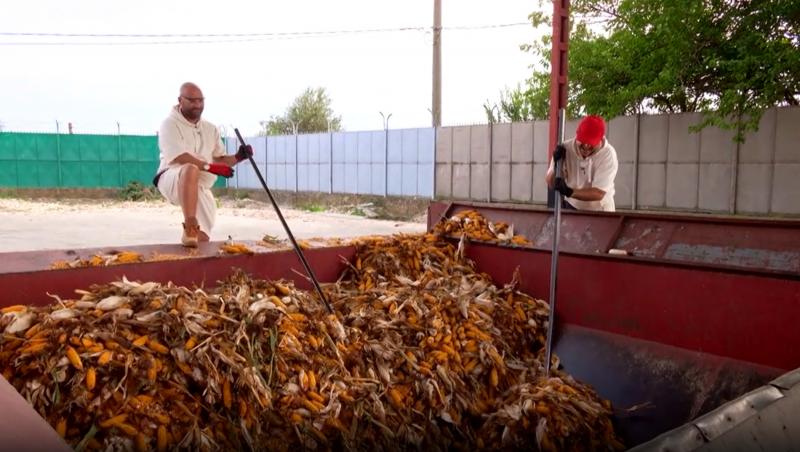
[247, 80]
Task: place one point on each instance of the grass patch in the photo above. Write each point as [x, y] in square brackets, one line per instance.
[136, 191]
[312, 207]
[8, 193]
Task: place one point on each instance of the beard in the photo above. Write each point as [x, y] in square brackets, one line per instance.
[192, 114]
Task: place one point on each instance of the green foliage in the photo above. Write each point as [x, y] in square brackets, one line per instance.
[311, 112]
[136, 191]
[8, 193]
[729, 59]
[312, 207]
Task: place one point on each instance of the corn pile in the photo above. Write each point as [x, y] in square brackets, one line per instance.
[100, 260]
[476, 227]
[422, 352]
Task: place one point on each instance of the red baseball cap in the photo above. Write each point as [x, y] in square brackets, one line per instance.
[591, 130]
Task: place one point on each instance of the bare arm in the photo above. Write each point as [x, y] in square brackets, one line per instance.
[229, 160]
[187, 157]
[588, 194]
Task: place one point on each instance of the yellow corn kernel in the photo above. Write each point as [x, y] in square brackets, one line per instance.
[105, 358]
[312, 380]
[283, 290]
[152, 372]
[190, 343]
[91, 378]
[296, 316]
[161, 439]
[184, 368]
[141, 442]
[160, 418]
[14, 308]
[74, 358]
[494, 377]
[316, 396]
[111, 422]
[157, 347]
[227, 397]
[61, 427]
[277, 301]
[34, 347]
[396, 398]
[128, 429]
[311, 406]
[543, 409]
[33, 331]
[140, 341]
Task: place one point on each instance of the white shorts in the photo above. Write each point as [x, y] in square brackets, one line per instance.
[206, 205]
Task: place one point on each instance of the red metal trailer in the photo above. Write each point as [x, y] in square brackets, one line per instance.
[699, 312]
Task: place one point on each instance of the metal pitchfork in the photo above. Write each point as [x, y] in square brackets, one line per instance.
[551, 325]
[286, 228]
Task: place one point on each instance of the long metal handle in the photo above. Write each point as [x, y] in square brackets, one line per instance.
[551, 325]
[288, 231]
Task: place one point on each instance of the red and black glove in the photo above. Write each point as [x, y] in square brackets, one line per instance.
[245, 152]
[219, 169]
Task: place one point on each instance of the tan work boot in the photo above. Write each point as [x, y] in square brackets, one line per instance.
[190, 232]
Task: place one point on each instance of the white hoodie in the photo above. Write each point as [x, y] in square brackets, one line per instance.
[177, 135]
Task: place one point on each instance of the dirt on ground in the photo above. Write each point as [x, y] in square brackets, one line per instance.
[376, 207]
[72, 219]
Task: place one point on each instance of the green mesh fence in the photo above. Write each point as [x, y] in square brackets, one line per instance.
[49, 160]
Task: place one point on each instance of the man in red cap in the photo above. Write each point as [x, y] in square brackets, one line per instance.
[590, 166]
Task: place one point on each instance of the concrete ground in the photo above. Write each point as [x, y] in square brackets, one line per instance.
[28, 225]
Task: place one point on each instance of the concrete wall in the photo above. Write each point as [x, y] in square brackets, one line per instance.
[343, 162]
[662, 165]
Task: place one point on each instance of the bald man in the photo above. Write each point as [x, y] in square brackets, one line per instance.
[192, 156]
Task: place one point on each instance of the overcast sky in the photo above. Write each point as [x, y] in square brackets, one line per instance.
[94, 86]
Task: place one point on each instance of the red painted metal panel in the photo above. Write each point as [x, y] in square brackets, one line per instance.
[21, 427]
[673, 385]
[755, 246]
[750, 318]
[31, 287]
[773, 247]
[559, 67]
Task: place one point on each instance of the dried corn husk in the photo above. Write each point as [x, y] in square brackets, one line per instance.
[473, 225]
[422, 352]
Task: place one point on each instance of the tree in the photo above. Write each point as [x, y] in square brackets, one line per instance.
[311, 112]
[729, 59]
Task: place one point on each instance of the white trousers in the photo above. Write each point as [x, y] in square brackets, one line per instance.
[206, 204]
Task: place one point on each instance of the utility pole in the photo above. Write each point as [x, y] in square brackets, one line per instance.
[437, 64]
